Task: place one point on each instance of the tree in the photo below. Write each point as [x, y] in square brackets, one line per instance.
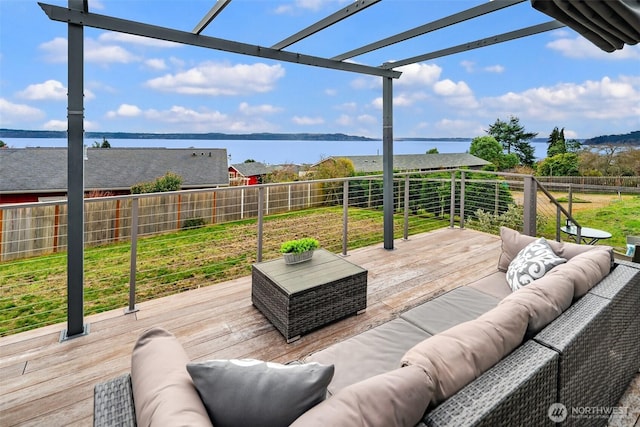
[564, 164]
[489, 149]
[3, 144]
[432, 151]
[334, 168]
[556, 142]
[103, 144]
[169, 182]
[513, 136]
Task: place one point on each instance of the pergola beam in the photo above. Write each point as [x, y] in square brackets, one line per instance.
[215, 10]
[465, 15]
[103, 22]
[500, 38]
[345, 12]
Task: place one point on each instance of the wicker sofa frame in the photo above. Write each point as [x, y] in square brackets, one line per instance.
[584, 359]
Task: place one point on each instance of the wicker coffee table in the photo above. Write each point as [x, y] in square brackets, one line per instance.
[301, 297]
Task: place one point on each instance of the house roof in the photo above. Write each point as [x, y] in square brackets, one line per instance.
[406, 162]
[251, 168]
[45, 169]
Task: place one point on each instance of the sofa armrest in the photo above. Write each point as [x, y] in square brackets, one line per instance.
[516, 391]
[113, 403]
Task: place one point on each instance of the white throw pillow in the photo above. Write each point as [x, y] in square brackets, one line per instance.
[531, 263]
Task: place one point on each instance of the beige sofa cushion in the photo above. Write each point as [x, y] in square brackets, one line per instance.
[513, 242]
[163, 393]
[494, 285]
[450, 309]
[544, 299]
[370, 353]
[587, 269]
[459, 355]
[396, 398]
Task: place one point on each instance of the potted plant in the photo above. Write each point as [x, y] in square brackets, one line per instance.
[299, 250]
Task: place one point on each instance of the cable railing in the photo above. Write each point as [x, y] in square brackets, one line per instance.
[146, 246]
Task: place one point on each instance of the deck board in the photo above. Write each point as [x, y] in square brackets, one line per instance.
[44, 382]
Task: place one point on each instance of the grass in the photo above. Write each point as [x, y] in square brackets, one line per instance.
[33, 291]
[617, 215]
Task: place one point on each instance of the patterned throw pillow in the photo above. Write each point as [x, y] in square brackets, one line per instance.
[531, 263]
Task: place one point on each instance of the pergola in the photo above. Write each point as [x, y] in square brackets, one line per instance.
[609, 24]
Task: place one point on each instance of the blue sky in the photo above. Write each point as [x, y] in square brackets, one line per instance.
[138, 85]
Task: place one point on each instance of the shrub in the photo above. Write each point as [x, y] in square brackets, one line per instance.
[299, 246]
[193, 223]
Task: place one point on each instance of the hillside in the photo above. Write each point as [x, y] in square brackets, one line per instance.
[631, 138]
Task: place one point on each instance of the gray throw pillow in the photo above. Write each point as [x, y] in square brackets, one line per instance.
[531, 263]
[251, 392]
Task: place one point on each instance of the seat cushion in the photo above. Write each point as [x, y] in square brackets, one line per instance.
[397, 398]
[494, 285]
[447, 310]
[370, 353]
[462, 353]
[163, 393]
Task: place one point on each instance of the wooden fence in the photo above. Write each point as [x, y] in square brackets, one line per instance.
[41, 228]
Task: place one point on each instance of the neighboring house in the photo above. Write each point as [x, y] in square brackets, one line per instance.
[250, 173]
[415, 162]
[36, 174]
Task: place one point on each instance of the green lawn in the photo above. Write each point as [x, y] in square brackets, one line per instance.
[33, 291]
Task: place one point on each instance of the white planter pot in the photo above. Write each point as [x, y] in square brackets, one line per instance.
[296, 258]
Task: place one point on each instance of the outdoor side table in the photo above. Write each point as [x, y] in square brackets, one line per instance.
[590, 236]
[298, 298]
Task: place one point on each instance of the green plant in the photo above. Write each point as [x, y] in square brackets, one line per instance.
[299, 246]
[193, 223]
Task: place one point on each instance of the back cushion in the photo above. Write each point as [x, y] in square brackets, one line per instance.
[396, 398]
[459, 355]
[163, 393]
[513, 242]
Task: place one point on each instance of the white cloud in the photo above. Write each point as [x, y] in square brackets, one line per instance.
[307, 121]
[604, 99]
[125, 110]
[494, 69]
[469, 66]
[581, 48]
[252, 110]
[457, 127]
[456, 94]
[330, 92]
[51, 89]
[419, 75]
[11, 113]
[183, 115]
[344, 120]
[55, 125]
[367, 119]
[215, 79]
[156, 64]
[113, 37]
[56, 51]
[402, 99]
[347, 106]
[312, 5]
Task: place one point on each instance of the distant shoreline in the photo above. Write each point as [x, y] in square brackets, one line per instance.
[632, 138]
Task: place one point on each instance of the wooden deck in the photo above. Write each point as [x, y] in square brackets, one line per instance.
[45, 382]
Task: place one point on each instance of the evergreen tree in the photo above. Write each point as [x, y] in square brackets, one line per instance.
[513, 136]
[556, 142]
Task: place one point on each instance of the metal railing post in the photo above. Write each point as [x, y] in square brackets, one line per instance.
[260, 222]
[462, 176]
[530, 206]
[452, 208]
[406, 207]
[345, 216]
[133, 257]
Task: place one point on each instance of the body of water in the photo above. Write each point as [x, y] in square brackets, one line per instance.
[275, 152]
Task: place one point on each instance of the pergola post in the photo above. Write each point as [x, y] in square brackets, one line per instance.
[75, 178]
[387, 160]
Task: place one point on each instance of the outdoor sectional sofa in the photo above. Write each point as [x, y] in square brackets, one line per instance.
[563, 348]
